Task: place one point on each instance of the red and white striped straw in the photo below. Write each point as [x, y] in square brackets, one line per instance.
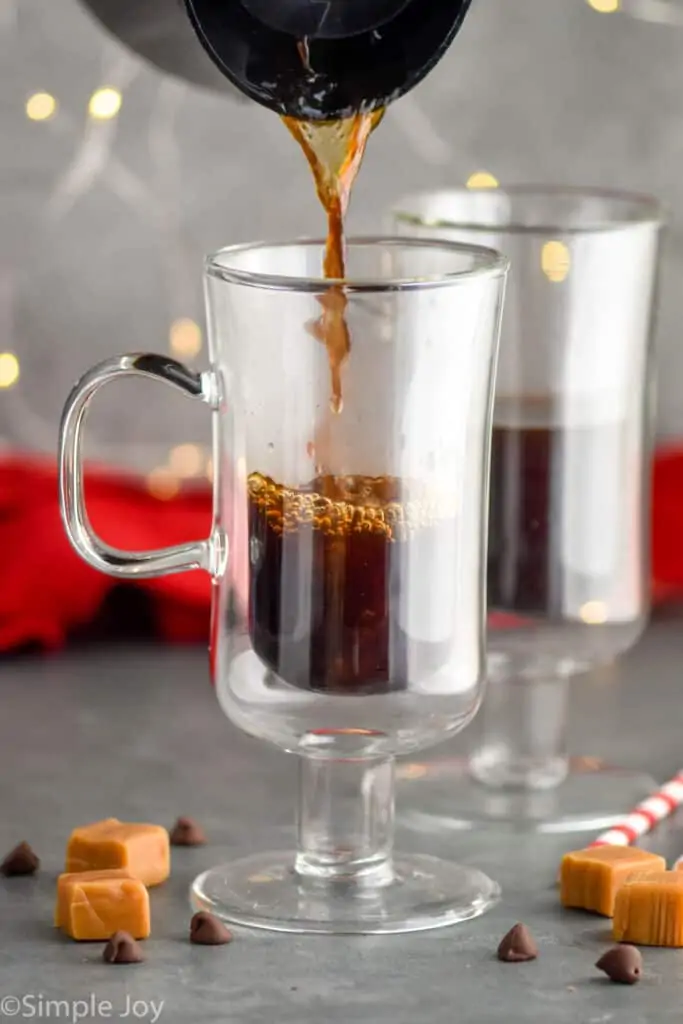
[646, 815]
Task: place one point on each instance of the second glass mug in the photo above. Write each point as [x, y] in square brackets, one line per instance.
[362, 534]
[569, 524]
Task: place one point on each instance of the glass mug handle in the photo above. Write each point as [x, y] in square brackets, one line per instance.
[209, 554]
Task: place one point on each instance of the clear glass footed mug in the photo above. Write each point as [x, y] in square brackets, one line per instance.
[362, 533]
[568, 552]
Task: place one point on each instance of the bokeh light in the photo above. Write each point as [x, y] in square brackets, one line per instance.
[593, 613]
[41, 106]
[105, 104]
[185, 338]
[163, 484]
[555, 261]
[9, 369]
[482, 179]
[186, 460]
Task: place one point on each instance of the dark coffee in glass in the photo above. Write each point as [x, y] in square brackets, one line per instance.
[328, 575]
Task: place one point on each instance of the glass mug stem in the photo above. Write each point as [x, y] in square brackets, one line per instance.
[522, 742]
[345, 827]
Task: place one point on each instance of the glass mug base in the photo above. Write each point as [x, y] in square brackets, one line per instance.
[263, 891]
[592, 796]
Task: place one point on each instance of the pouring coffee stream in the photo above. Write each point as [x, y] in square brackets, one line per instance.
[334, 152]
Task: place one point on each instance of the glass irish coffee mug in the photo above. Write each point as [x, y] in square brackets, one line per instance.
[362, 533]
[568, 553]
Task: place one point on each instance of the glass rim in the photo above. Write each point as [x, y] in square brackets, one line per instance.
[650, 211]
[490, 264]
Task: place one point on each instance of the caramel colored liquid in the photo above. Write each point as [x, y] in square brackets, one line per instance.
[329, 565]
[334, 151]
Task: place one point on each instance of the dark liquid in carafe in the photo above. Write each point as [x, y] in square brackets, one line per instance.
[327, 566]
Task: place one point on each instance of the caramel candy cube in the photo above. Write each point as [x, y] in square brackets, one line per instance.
[143, 850]
[649, 909]
[64, 883]
[589, 879]
[92, 905]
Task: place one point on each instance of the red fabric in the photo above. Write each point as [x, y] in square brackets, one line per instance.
[47, 592]
[667, 526]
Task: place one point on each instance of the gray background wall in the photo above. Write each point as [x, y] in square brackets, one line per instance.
[103, 224]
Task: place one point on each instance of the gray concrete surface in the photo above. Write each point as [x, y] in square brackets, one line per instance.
[136, 733]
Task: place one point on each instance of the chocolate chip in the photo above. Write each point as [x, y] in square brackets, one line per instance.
[122, 949]
[186, 832]
[517, 946]
[623, 964]
[207, 930]
[20, 861]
